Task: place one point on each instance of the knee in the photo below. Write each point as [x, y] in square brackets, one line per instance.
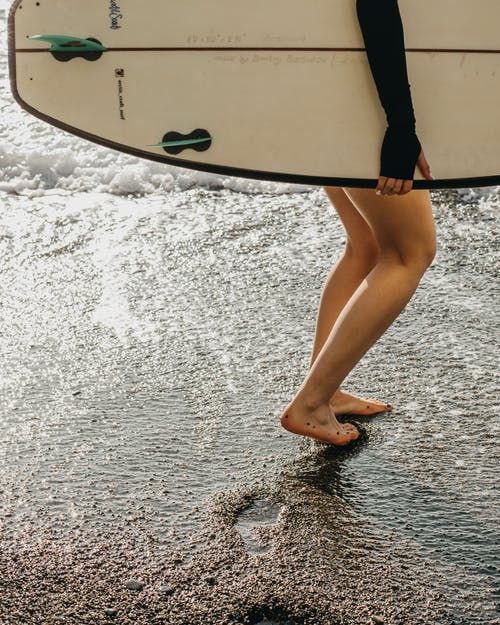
[365, 252]
[424, 254]
[429, 253]
[416, 258]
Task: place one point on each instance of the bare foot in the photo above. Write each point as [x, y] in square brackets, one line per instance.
[319, 423]
[345, 403]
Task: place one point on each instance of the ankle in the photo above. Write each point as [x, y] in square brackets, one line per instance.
[337, 394]
[309, 403]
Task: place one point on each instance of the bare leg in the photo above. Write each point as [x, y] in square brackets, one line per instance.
[404, 229]
[359, 258]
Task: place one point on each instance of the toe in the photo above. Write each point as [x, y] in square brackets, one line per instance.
[373, 406]
[349, 427]
[351, 431]
[354, 434]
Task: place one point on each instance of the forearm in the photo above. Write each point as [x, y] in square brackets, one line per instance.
[382, 30]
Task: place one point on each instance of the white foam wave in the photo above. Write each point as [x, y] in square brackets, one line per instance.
[35, 158]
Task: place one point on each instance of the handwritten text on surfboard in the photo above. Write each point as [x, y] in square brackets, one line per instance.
[115, 14]
[274, 59]
[119, 75]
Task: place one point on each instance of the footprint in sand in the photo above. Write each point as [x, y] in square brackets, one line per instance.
[252, 524]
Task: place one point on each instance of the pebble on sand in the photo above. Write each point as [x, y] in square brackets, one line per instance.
[378, 620]
[167, 590]
[134, 584]
[111, 612]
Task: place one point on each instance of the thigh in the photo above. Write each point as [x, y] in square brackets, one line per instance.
[357, 228]
[402, 222]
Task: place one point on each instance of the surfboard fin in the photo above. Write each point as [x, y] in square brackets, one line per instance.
[171, 144]
[175, 142]
[68, 43]
[66, 47]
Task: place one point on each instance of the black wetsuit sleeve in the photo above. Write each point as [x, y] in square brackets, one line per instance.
[383, 34]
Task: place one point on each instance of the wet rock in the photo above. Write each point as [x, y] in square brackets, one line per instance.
[134, 584]
[111, 612]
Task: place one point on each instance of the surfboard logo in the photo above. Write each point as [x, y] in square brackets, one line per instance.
[115, 15]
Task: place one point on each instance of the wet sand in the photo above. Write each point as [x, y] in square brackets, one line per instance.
[307, 573]
[139, 436]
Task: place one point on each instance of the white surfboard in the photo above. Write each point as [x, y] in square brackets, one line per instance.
[271, 89]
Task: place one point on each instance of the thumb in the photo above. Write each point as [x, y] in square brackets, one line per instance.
[425, 168]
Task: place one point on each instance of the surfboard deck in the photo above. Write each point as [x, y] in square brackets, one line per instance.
[274, 89]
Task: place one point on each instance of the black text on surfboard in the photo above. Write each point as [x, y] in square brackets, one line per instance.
[120, 74]
[115, 14]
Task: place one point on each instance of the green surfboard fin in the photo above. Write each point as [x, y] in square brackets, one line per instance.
[68, 43]
[172, 144]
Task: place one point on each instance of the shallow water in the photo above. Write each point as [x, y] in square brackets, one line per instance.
[155, 322]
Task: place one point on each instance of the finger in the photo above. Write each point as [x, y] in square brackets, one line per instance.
[387, 190]
[407, 187]
[398, 186]
[424, 167]
[380, 185]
